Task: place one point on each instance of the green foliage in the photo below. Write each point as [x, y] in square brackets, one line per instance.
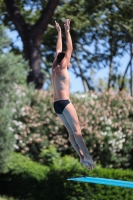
[26, 173]
[107, 127]
[7, 198]
[31, 181]
[101, 32]
[49, 156]
[2, 8]
[106, 122]
[12, 96]
[26, 167]
[39, 126]
[4, 40]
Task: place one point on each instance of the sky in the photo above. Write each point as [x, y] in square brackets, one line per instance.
[75, 83]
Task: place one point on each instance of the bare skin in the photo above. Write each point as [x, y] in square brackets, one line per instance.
[61, 85]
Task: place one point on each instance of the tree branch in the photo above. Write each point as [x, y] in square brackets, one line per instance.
[86, 84]
[41, 24]
[123, 78]
[16, 17]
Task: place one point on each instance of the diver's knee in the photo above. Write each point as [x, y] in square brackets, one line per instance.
[77, 129]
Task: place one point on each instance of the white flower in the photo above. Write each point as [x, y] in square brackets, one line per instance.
[108, 128]
[23, 94]
[22, 109]
[120, 145]
[16, 136]
[14, 110]
[103, 133]
[94, 96]
[19, 124]
[118, 134]
[11, 129]
[113, 142]
[108, 121]
[15, 146]
[101, 118]
[83, 96]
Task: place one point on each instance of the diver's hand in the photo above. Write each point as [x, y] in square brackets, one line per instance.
[57, 26]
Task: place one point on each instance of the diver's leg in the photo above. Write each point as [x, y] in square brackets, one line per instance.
[71, 116]
[71, 137]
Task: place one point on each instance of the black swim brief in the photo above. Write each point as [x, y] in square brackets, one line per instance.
[60, 105]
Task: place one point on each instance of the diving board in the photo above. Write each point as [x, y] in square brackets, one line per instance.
[104, 181]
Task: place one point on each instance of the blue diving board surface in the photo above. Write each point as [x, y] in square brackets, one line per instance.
[104, 181]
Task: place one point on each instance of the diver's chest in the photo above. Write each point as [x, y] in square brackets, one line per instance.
[60, 73]
[62, 77]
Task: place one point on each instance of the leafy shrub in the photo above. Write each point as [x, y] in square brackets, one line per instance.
[12, 96]
[23, 177]
[49, 156]
[106, 120]
[7, 198]
[107, 124]
[39, 127]
[31, 181]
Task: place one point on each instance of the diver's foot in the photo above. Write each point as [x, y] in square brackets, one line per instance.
[89, 162]
[85, 163]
